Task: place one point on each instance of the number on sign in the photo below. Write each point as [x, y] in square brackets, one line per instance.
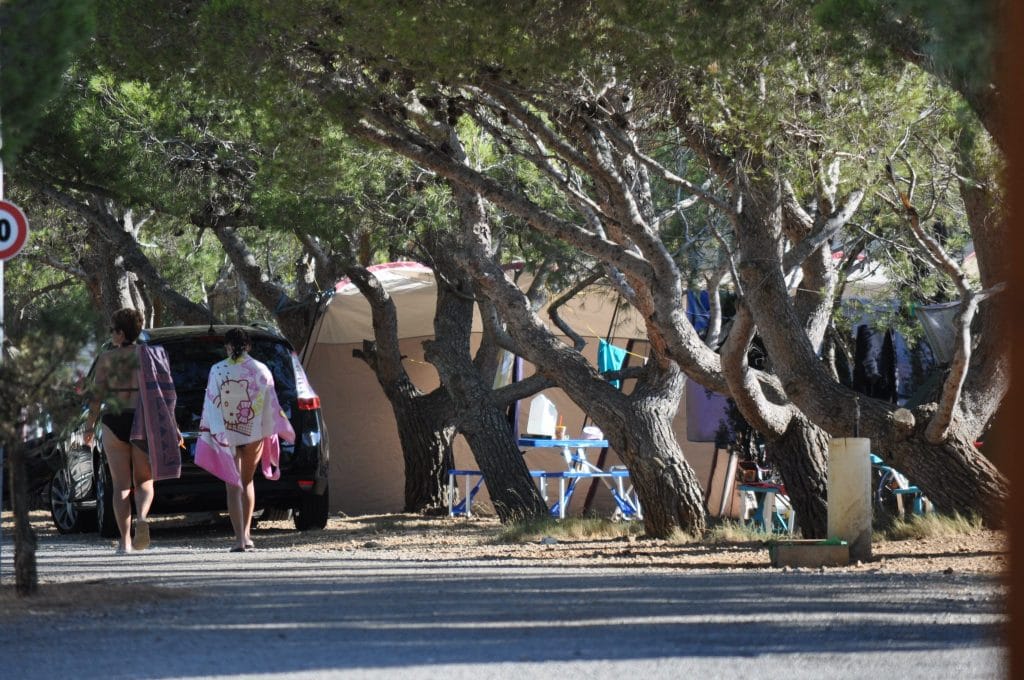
[13, 229]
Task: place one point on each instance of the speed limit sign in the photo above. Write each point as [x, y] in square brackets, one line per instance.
[13, 229]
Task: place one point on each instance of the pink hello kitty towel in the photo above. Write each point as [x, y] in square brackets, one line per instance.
[240, 407]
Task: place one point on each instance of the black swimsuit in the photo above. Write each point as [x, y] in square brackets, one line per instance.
[120, 424]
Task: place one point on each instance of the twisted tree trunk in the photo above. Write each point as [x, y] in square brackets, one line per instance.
[481, 420]
[426, 432]
[637, 425]
[26, 578]
[426, 422]
[954, 475]
[641, 432]
[800, 456]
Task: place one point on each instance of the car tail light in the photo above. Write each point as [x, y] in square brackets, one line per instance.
[306, 484]
[309, 403]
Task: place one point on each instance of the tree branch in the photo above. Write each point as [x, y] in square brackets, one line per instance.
[744, 387]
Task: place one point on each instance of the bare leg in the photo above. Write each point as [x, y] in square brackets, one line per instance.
[119, 459]
[247, 457]
[144, 493]
[234, 494]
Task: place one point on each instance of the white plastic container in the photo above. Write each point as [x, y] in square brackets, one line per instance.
[543, 418]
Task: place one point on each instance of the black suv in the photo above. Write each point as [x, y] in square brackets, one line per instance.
[80, 497]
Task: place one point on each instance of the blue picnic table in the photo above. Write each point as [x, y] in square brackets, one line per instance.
[767, 516]
[578, 467]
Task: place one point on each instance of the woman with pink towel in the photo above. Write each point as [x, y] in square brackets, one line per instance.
[241, 422]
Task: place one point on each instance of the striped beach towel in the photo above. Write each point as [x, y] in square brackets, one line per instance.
[154, 429]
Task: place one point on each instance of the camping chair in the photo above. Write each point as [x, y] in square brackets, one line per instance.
[770, 510]
[892, 491]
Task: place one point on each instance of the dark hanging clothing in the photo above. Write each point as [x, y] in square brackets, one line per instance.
[874, 365]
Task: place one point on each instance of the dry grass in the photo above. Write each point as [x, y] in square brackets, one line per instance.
[930, 525]
[720, 532]
[572, 528]
[729, 531]
[597, 529]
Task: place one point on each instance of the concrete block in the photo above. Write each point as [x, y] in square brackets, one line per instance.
[811, 554]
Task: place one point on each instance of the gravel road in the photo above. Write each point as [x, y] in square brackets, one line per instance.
[190, 609]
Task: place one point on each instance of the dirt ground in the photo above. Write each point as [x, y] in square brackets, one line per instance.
[411, 538]
[407, 538]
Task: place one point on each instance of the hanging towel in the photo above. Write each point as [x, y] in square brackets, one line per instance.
[241, 407]
[154, 429]
[697, 306]
[610, 358]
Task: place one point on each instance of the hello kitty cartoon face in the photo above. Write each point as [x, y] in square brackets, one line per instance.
[235, 405]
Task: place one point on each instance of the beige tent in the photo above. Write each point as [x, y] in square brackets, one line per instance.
[366, 456]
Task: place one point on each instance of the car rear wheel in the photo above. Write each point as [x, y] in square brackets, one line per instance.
[312, 514]
[105, 520]
[67, 517]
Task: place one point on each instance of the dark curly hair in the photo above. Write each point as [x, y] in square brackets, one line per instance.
[239, 340]
[128, 321]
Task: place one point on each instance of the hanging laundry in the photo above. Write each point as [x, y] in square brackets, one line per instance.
[610, 358]
[698, 306]
[939, 324]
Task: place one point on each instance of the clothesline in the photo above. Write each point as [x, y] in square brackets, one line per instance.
[626, 351]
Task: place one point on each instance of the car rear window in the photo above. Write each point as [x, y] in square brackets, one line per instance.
[192, 359]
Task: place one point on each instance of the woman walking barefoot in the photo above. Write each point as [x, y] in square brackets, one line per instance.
[130, 416]
[241, 422]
